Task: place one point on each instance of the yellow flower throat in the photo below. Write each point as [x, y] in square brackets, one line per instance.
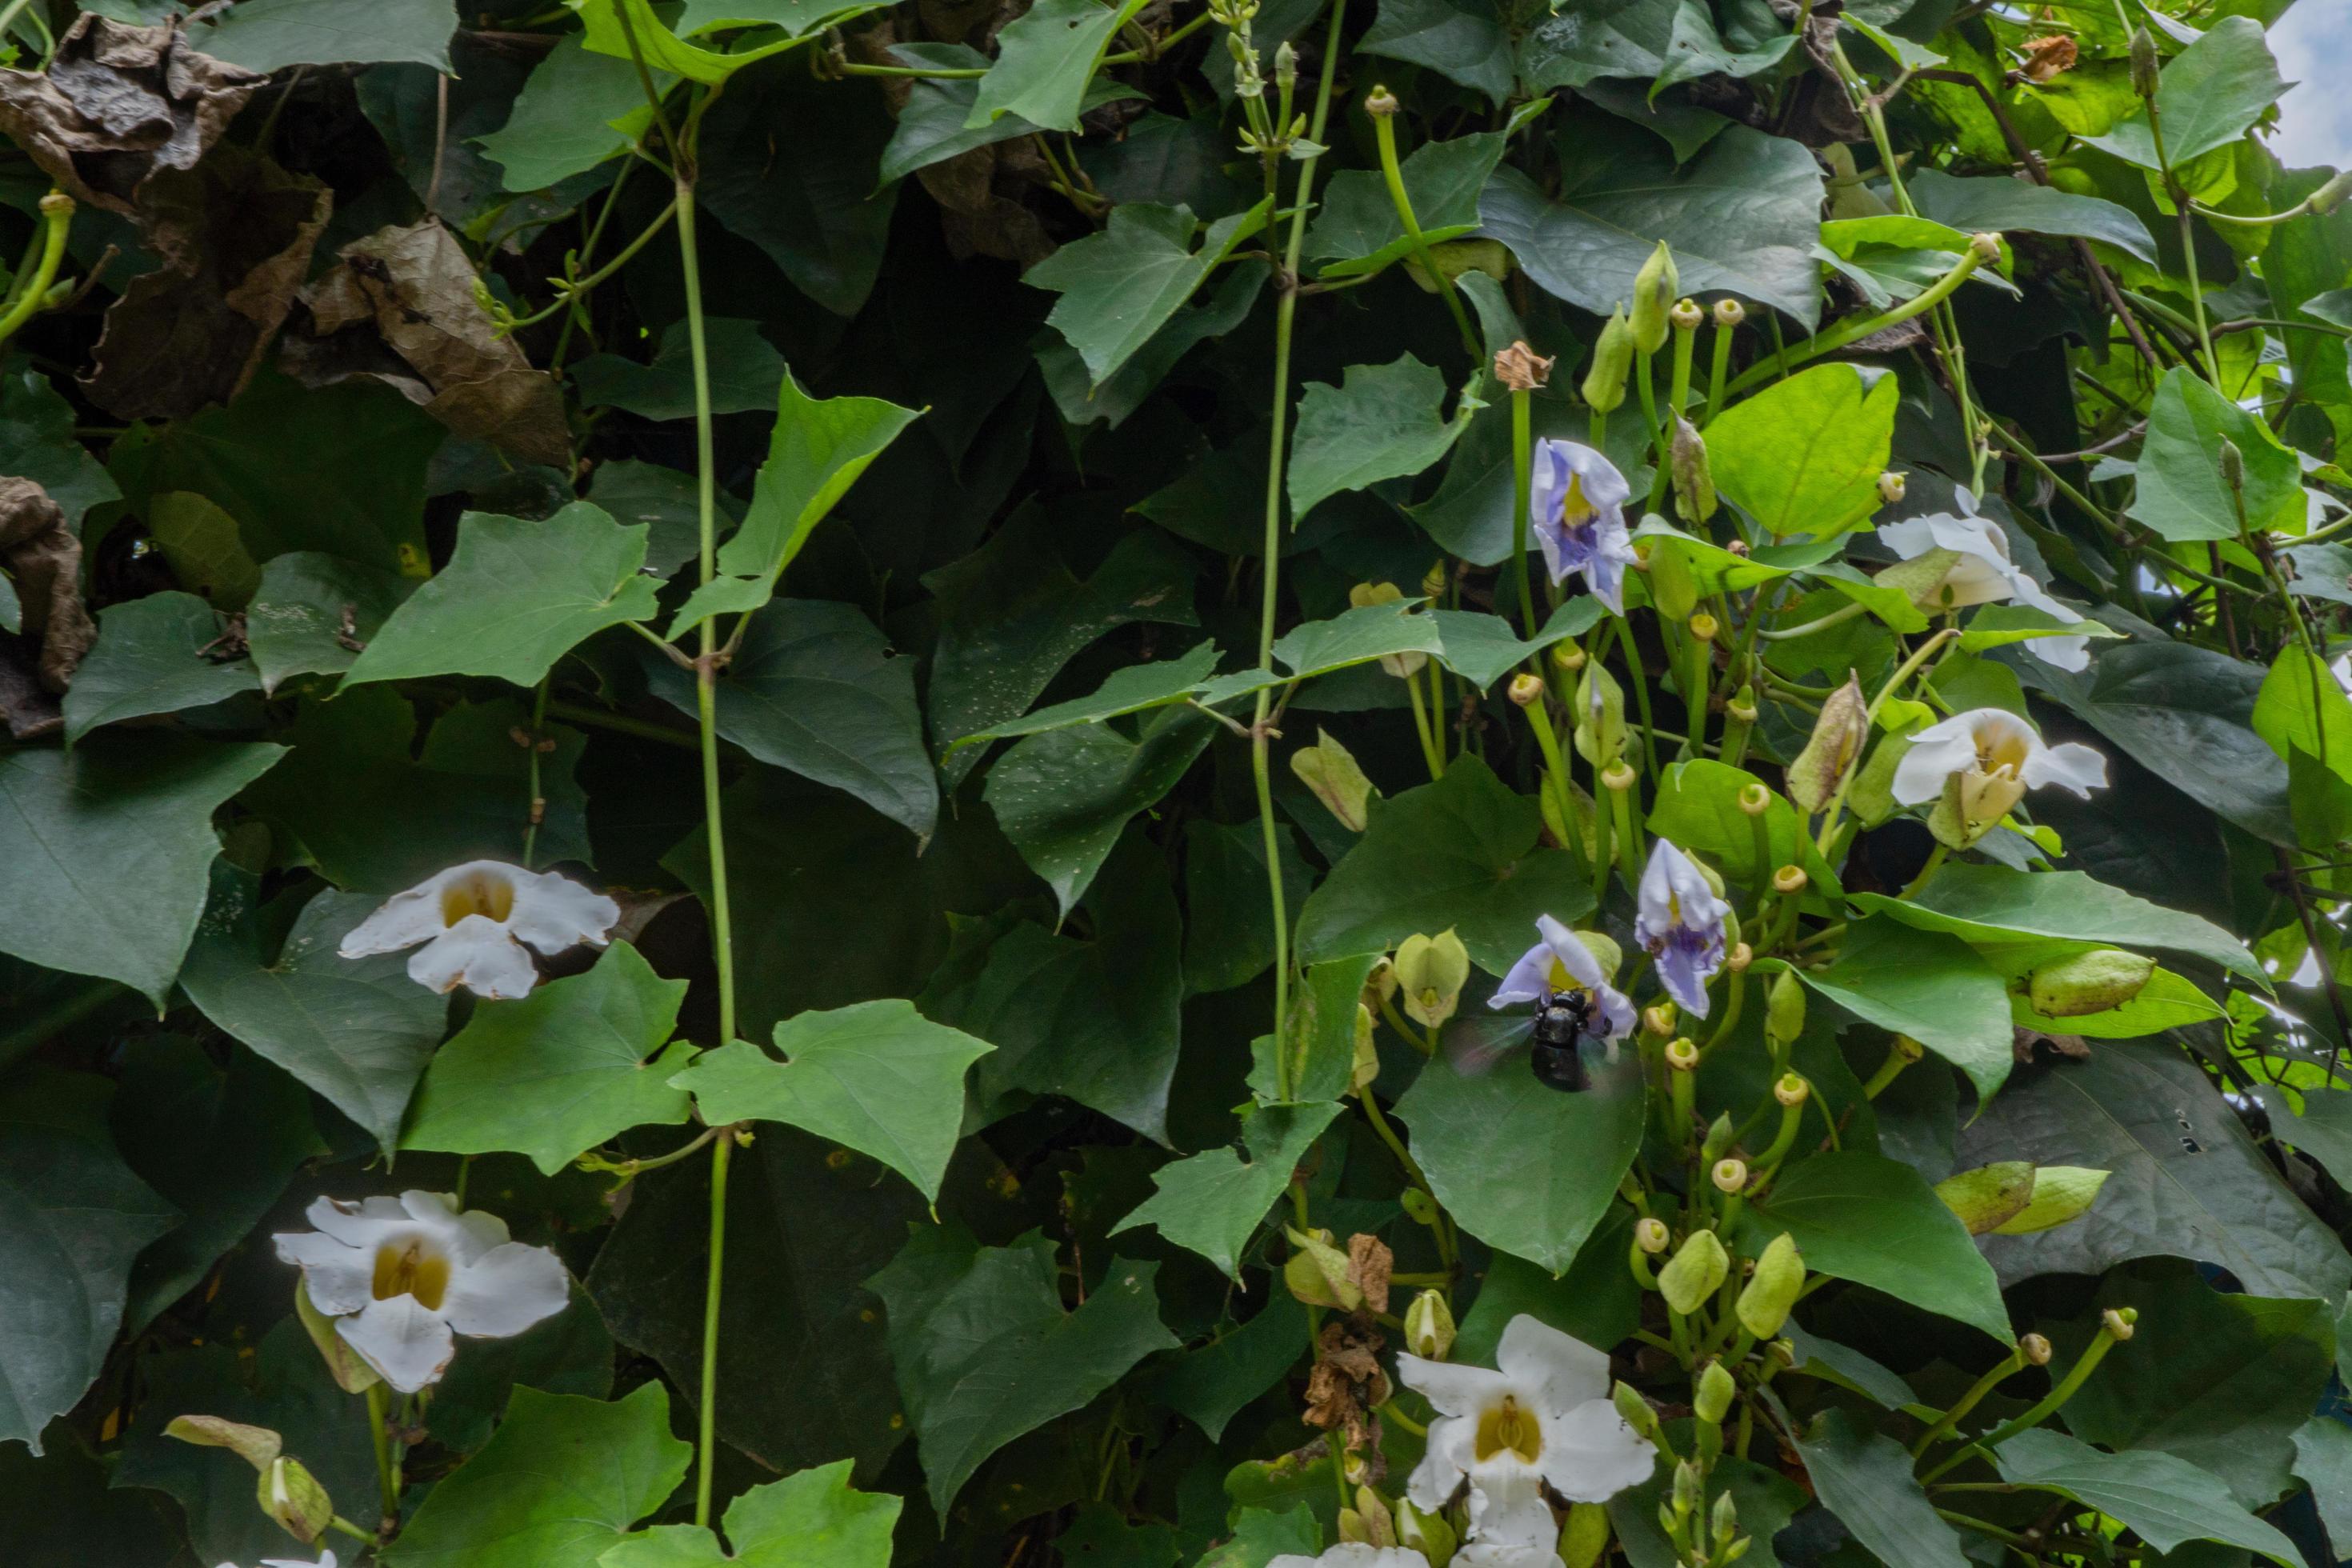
[1506, 1428]
[411, 1271]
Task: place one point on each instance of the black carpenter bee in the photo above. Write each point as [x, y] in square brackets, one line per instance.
[1564, 1034]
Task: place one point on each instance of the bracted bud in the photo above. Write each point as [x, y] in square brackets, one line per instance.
[1374, 1519]
[1830, 754]
[1612, 360]
[2117, 1322]
[1429, 1326]
[2035, 1350]
[1316, 1272]
[1286, 64]
[2233, 464]
[1651, 1235]
[256, 1446]
[1433, 581]
[1784, 1011]
[1686, 1491]
[1380, 102]
[1655, 288]
[1729, 313]
[1601, 732]
[1634, 1410]
[1583, 1535]
[1771, 1293]
[1730, 1175]
[1719, 1134]
[2146, 63]
[1682, 1055]
[2087, 983]
[1686, 317]
[1365, 1066]
[1986, 247]
[1790, 879]
[291, 1496]
[1890, 486]
[1364, 594]
[1742, 706]
[1673, 587]
[1755, 800]
[1738, 957]
[1711, 1398]
[1695, 1273]
[1660, 1018]
[1427, 1533]
[1693, 479]
[1328, 769]
[1431, 971]
[1567, 657]
[1526, 690]
[2331, 196]
[1704, 627]
[1791, 1090]
[1617, 778]
[1723, 1519]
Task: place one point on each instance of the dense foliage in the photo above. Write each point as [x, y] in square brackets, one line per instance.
[1004, 783]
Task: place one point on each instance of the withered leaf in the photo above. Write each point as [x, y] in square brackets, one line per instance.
[235, 234]
[119, 104]
[45, 558]
[400, 308]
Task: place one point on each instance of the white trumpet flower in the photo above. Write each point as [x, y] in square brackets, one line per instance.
[474, 920]
[402, 1277]
[1979, 763]
[326, 1559]
[1354, 1554]
[1543, 1422]
[1979, 572]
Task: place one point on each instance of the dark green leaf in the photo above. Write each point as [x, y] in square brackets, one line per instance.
[1382, 422]
[1211, 1203]
[1996, 205]
[1991, 905]
[1211, 1384]
[934, 123]
[813, 1519]
[2167, 1501]
[1229, 940]
[1596, 1301]
[1120, 286]
[1356, 229]
[156, 654]
[1877, 1222]
[1766, 1500]
[313, 613]
[2181, 493]
[1461, 40]
[1803, 456]
[269, 34]
[578, 109]
[744, 370]
[1064, 796]
[1045, 59]
[1865, 1479]
[1930, 986]
[2208, 95]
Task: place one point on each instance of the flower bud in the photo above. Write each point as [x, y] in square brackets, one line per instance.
[2145, 62]
[1584, 1535]
[1972, 804]
[2090, 982]
[1380, 985]
[1784, 1352]
[1660, 1018]
[1431, 971]
[2233, 464]
[1838, 737]
[2035, 1349]
[1793, 1091]
[1433, 581]
[1429, 1326]
[1363, 594]
[1719, 1133]
[1651, 1235]
[1613, 359]
[1685, 317]
[1365, 1064]
[2330, 197]
[1693, 480]
[1891, 485]
[1381, 103]
[1766, 1301]
[1374, 1518]
[1601, 732]
[1790, 880]
[1634, 1410]
[1742, 706]
[1329, 770]
[1987, 248]
[1618, 776]
[1755, 800]
[1739, 957]
[1520, 369]
[1655, 288]
[1711, 1398]
[1729, 313]
[1686, 1491]
[1784, 1011]
[1682, 1055]
[1695, 1273]
[1674, 588]
[1730, 1175]
[1526, 690]
[1286, 64]
[351, 1375]
[2117, 1321]
[1723, 1520]
[1704, 627]
[1316, 1272]
[291, 1496]
[1568, 656]
[1418, 1206]
[1427, 1533]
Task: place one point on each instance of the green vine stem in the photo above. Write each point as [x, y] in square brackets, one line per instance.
[32, 293]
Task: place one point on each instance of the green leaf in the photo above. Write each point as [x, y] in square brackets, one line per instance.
[1462, 40]
[1596, 1301]
[1461, 852]
[2186, 1183]
[1865, 1480]
[1483, 1141]
[1064, 797]
[1483, 648]
[608, 33]
[1229, 940]
[1930, 986]
[1877, 1222]
[933, 124]
[562, 1480]
[813, 1519]
[1742, 218]
[1357, 230]
[818, 449]
[1803, 456]
[37, 441]
[1989, 906]
[268, 35]
[2322, 1129]
[1045, 59]
[2167, 1501]
[743, 368]
[879, 1077]
[1120, 286]
[1082, 402]
[984, 1351]
[2181, 494]
[1211, 1384]
[1260, 1536]
[560, 1071]
[1848, 1368]
[1610, 38]
[814, 689]
[1129, 689]
[109, 848]
[313, 613]
[1382, 422]
[1697, 810]
[515, 597]
[1211, 1203]
[1996, 205]
[1765, 1499]
[357, 1030]
[2322, 1450]
[2209, 94]
[72, 1218]
[202, 544]
[577, 109]
[2220, 1380]
[152, 657]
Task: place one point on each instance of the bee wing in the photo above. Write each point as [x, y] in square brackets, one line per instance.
[1473, 1044]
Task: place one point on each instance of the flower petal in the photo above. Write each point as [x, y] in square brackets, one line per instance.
[2061, 653]
[1443, 1462]
[408, 1346]
[1684, 966]
[462, 1237]
[477, 954]
[1605, 489]
[365, 1224]
[1507, 1507]
[1505, 1554]
[506, 1291]
[2070, 765]
[1590, 1455]
[340, 1278]
[552, 912]
[403, 919]
[1937, 752]
[1529, 978]
[1552, 1370]
[1355, 1554]
[1451, 1389]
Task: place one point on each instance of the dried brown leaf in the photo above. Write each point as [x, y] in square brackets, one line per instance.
[45, 558]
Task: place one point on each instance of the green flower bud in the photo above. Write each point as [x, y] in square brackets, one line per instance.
[1717, 1139]
[1651, 1235]
[1584, 1535]
[1364, 594]
[1427, 1533]
[1329, 770]
[1839, 735]
[2090, 982]
[1730, 1175]
[1429, 1326]
[1431, 971]
[1729, 313]
[2233, 464]
[1711, 1398]
[256, 1446]
[291, 1496]
[1600, 716]
[1634, 1410]
[1695, 1272]
[1655, 289]
[1687, 1491]
[2330, 197]
[2146, 63]
[1766, 1301]
[1373, 1519]
[1612, 360]
[1366, 1063]
[1784, 1011]
[1723, 1519]
[1694, 481]
[1316, 1272]
[1418, 1206]
[1674, 588]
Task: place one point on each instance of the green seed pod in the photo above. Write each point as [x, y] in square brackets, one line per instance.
[1674, 589]
[1771, 1293]
[1723, 1519]
[1600, 716]
[2233, 464]
[1695, 1272]
[1687, 1491]
[1711, 1399]
[1584, 1536]
[1612, 360]
[2090, 982]
[1655, 289]
[1784, 1011]
[1717, 1139]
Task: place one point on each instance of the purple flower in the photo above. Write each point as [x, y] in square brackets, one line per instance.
[1680, 919]
[1576, 509]
[1562, 962]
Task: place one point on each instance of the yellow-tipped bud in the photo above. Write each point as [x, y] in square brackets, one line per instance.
[1790, 880]
[1730, 1175]
[1682, 1055]
[1527, 690]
